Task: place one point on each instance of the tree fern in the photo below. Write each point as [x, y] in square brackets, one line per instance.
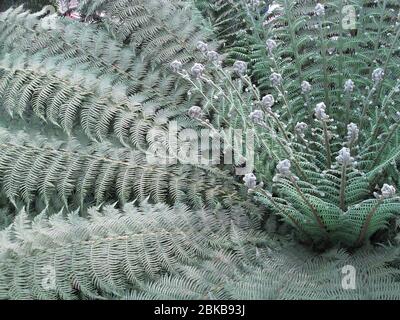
[50, 169]
[111, 251]
[320, 188]
[170, 34]
[283, 274]
[83, 105]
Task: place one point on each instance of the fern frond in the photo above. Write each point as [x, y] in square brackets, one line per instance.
[57, 171]
[112, 251]
[282, 274]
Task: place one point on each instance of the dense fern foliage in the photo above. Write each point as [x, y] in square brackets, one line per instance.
[124, 248]
[30, 4]
[194, 149]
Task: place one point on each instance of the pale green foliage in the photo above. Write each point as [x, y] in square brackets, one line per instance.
[30, 4]
[111, 251]
[108, 96]
[164, 31]
[286, 273]
[324, 200]
[82, 104]
[342, 54]
[32, 167]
